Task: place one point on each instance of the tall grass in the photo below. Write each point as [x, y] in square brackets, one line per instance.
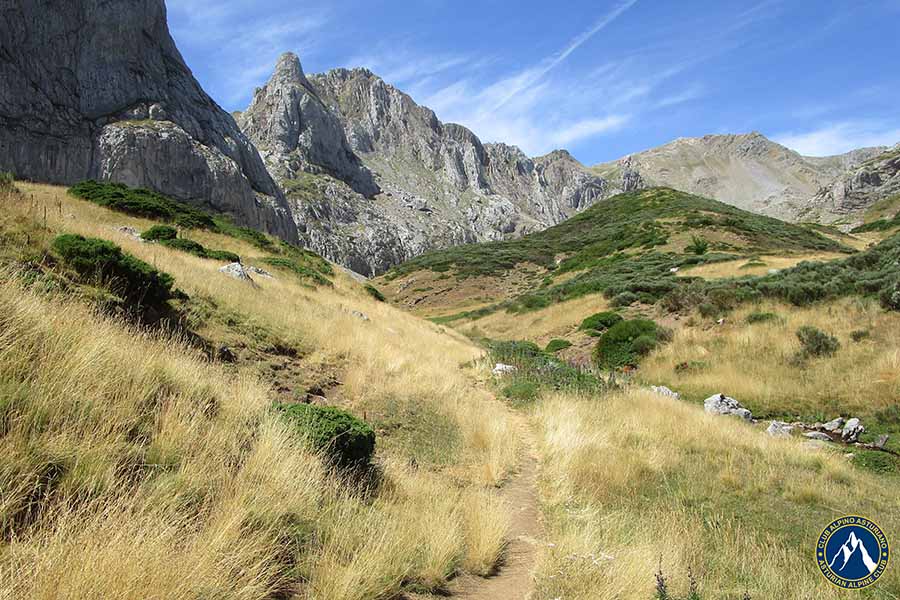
[638, 482]
[128, 465]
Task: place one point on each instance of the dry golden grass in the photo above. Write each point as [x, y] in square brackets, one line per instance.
[130, 466]
[745, 267]
[557, 320]
[753, 363]
[636, 480]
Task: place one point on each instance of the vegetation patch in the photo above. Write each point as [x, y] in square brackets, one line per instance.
[158, 233]
[97, 261]
[347, 440]
[625, 343]
[375, 293]
[600, 322]
[555, 346]
[197, 249]
[142, 203]
[304, 269]
[761, 317]
[541, 370]
[815, 343]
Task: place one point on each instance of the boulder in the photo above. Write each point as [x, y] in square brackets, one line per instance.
[835, 425]
[852, 430]
[501, 369]
[720, 404]
[780, 429]
[818, 435]
[360, 315]
[236, 271]
[260, 272]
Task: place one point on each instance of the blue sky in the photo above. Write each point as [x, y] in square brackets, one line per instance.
[602, 78]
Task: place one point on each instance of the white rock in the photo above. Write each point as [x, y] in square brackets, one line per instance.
[502, 369]
[360, 315]
[236, 271]
[817, 435]
[780, 429]
[664, 391]
[720, 404]
[852, 430]
[835, 425]
[260, 272]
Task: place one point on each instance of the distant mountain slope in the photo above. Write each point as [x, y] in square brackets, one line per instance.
[97, 89]
[374, 178]
[748, 171]
[628, 244]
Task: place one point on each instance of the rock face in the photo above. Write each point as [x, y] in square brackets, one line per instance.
[859, 188]
[748, 171]
[97, 89]
[374, 179]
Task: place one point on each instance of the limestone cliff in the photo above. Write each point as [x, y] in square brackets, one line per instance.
[97, 89]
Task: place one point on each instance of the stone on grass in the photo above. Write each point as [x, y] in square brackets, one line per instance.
[236, 271]
[664, 391]
[260, 272]
[780, 429]
[720, 404]
[852, 430]
[835, 425]
[818, 435]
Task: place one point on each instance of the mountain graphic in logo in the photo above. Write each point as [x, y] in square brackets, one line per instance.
[852, 552]
[853, 548]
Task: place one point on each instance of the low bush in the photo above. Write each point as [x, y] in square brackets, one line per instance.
[860, 335]
[302, 269]
[348, 441]
[761, 317]
[222, 256]
[543, 369]
[375, 293]
[625, 343]
[698, 246]
[890, 296]
[522, 392]
[160, 232]
[197, 249]
[556, 345]
[102, 262]
[815, 343]
[600, 321]
[877, 462]
[142, 203]
[624, 299]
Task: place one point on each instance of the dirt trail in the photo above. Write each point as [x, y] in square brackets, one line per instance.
[513, 580]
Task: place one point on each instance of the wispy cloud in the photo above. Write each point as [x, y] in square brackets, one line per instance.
[838, 138]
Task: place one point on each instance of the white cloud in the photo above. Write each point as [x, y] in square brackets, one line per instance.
[838, 138]
[588, 128]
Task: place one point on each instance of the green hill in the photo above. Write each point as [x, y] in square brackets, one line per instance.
[630, 246]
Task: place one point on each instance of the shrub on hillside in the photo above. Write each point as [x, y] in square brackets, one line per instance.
[522, 392]
[348, 441]
[698, 246]
[100, 261]
[816, 343]
[299, 267]
[761, 317]
[142, 203]
[890, 296]
[556, 345]
[375, 293]
[160, 232]
[860, 335]
[624, 299]
[197, 249]
[601, 321]
[625, 343]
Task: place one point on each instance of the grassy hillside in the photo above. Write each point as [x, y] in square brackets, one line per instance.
[628, 244]
[133, 464]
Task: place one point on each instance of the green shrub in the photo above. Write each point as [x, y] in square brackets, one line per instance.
[375, 293]
[197, 249]
[761, 317]
[877, 462]
[890, 296]
[7, 182]
[142, 203]
[601, 321]
[222, 256]
[556, 345]
[302, 269]
[100, 261]
[698, 246]
[160, 232]
[860, 335]
[522, 392]
[625, 343]
[624, 299]
[708, 310]
[816, 343]
[347, 440]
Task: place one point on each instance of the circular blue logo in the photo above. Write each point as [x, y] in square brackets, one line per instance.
[852, 552]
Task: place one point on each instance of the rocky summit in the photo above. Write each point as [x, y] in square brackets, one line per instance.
[748, 171]
[96, 89]
[374, 178]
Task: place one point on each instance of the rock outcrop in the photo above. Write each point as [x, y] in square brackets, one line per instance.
[859, 188]
[748, 171]
[374, 178]
[97, 89]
